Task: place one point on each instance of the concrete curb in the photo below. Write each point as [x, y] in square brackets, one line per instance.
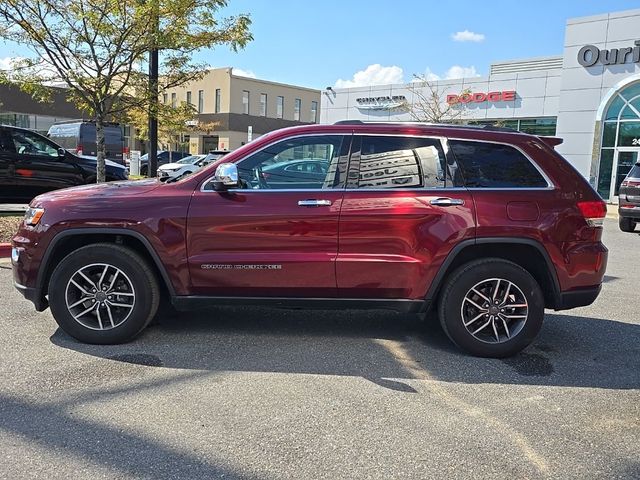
[5, 250]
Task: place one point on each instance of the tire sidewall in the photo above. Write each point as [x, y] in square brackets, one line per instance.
[463, 280]
[131, 266]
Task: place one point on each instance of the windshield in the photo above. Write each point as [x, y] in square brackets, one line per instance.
[190, 159]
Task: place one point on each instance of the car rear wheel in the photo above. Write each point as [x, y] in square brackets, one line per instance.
[103, 293]
[491, 308]
[627, 224]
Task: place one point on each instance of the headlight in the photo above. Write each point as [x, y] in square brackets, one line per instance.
[33, 215]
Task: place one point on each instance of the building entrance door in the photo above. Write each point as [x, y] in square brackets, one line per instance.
[623, 160]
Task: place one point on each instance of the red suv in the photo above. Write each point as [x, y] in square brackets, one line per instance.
[488, 227]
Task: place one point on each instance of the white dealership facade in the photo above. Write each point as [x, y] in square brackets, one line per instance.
[589, 96]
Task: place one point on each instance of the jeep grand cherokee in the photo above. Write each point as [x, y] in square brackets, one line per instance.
[487, 227]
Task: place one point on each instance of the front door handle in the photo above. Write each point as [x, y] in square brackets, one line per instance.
[446, 202]
[314, 203]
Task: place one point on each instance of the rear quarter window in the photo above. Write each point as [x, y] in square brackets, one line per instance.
[495, 165]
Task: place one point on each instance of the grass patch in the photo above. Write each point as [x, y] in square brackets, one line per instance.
[9, 226]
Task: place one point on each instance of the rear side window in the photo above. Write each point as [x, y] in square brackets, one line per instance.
[398, 162]
[494, 165]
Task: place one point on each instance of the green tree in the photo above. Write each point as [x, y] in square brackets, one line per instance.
[98, 49]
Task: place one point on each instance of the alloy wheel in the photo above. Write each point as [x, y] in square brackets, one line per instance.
[494, 310]
[100, 296]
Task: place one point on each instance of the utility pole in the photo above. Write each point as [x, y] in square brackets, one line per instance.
[153, 113]
[153, 92]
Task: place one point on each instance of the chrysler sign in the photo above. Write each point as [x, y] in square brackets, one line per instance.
[381, 103]
[589, 55]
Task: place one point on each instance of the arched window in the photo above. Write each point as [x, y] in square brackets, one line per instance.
[620, 140]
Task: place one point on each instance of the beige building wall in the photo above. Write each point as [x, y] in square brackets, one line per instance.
[231, 114]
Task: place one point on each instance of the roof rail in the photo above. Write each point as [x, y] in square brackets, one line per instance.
[491, 128]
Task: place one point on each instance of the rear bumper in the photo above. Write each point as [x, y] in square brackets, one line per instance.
[578, 298]
[633, 212]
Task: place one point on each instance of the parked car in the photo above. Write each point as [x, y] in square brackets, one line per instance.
[164, 157]
[188, 165]
[179, 169]
[486, 227]
[31, 164]
[79, 138]
[629, 200]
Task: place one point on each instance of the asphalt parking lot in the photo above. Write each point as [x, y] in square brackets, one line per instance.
[270, 394]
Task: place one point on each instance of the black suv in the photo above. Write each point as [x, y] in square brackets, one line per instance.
[629, 200]
[31, 164]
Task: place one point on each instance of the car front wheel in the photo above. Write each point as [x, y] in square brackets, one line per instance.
[103, 293]
[491, 308]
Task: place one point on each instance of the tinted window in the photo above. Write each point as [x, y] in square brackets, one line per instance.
[399, 162]
[28, 143]
[493, 165]
[297, 163]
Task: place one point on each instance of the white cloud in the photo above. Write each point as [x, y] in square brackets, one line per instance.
[456, 71]
[467, 36]
[7, 63]
[244, 73]
[374, 74]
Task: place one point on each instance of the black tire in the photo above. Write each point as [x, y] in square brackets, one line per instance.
[626, 224]
[136, 271]
[452, 303]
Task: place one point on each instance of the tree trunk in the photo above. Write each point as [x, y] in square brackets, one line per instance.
[101, 150]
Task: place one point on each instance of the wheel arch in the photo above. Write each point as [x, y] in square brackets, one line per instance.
[69, 240]
[526, 252]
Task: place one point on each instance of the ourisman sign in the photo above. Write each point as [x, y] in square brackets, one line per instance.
[589, 55]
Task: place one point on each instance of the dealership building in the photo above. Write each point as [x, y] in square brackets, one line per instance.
[589, 96]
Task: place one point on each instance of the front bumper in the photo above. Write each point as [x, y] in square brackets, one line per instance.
[33, 295]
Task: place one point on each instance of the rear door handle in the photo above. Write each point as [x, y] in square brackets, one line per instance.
[314, 203]
[447, 202]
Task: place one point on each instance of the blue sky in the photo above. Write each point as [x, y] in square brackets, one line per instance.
[316, 44]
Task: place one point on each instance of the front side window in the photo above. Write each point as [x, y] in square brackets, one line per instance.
[298, 163]
[399, 162]
[245, 102]
[27, 143]
[495, 165]
[280, 107]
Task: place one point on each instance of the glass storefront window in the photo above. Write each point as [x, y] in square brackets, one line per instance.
[628, 114]
[629, 134]
[535, 126]
[604, 174]
[609, 134]
[614, 109]
[631, 91]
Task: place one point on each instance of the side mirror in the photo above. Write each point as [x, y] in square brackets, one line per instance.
[62, 152]
[226, 177]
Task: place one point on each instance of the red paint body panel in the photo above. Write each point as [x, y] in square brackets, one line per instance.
[393, 243]
[229, 230]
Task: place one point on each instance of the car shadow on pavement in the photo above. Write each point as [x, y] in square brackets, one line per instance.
[383, 347]
[124, 453]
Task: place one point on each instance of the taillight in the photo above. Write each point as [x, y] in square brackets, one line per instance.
[79, 150]
[593, 212]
